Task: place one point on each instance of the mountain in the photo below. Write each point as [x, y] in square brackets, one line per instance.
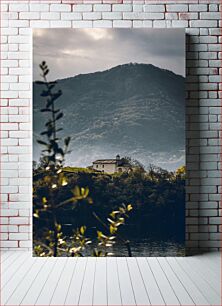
[136, 110]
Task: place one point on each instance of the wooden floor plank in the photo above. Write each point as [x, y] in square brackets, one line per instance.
[110, 281]
[152, 288]
[100, 283]
[211, 260]
[86, 294]
[62, 288]
[75, 286]
[5, 255]
[163, 283]
[10, 261]
[17, 278]
[213, 279]
[208, 292]
[180, 291]
[47, 292]
[126, 289]
[139, 288]
[113, 286]
[37, 286]
[190, 286]
[23, 287]
[13, 269]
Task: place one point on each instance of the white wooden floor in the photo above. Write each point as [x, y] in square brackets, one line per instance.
[110, 281]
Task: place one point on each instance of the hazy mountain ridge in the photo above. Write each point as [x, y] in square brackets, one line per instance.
[131, 109]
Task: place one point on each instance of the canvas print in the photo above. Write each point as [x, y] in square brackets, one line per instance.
[108, 142]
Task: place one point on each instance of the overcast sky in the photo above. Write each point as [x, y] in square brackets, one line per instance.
[69, 52]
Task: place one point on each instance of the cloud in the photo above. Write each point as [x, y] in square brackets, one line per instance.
[98, 34]
[69, 52]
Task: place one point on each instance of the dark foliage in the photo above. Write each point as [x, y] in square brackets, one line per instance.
[157, 197]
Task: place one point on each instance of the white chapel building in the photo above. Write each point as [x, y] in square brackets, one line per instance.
[112, 165]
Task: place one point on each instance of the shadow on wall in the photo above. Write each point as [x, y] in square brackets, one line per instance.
[193, 195]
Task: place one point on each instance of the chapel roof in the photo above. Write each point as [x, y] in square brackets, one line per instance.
[105, 161]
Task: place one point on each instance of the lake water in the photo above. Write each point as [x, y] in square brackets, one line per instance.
[146, 248]
[143, 248]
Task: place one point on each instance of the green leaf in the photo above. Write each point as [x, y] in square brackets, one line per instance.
[44, 200]
[58, 227]
[44, 93]
[99, 234]
[36, 214]
[84, 192]
[42, 142]
[129, 207]
[112, 229]
[59, 116]
[48, 123]
[44, 132]
[110, 221]
[67, 141]
[82, 229]
[40, 82]
[45, 110]
[52, 83]
[76, 191]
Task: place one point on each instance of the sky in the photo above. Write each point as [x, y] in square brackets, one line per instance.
[69, 52]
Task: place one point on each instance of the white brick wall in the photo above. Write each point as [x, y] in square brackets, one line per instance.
[201, 18]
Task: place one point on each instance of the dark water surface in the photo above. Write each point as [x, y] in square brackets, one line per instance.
[145, 248]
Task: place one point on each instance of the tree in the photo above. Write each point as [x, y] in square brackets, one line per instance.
[134, 163]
